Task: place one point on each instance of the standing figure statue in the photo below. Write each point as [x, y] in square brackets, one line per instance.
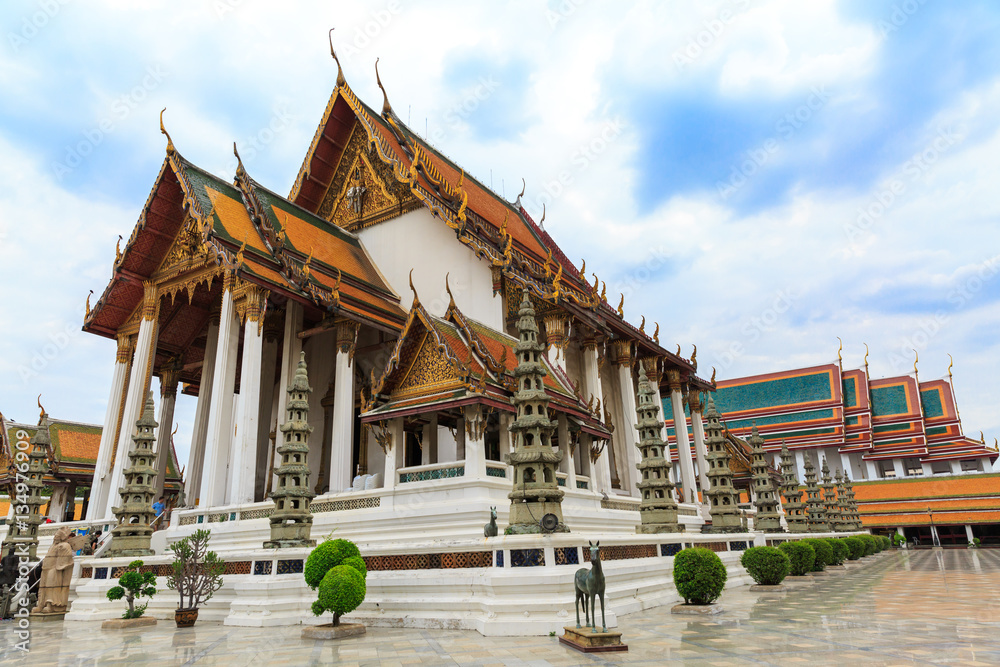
[57, 570]
[490, 529]
[590, 584]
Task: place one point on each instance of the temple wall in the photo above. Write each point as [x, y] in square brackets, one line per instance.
[419, 241]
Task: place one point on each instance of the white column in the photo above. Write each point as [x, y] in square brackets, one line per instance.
[601, 479]
[394, 457]
[700, 451]
[897, 465]
[101, 484]
[505, 444]
[683, 444]
[565, 445]
[220, 414]
[141, 369]
[928, 470]
[243, 476]
[800, 466]
[342, 447]
[475, 442]
[956, 467]
[630, 433]
[268, 365]
[845, 460]
[425, 444]
[57, 503]
[291, 346]
[935, 540]
[872, 470]
[199, 434]
[168, 398]
[968, 533]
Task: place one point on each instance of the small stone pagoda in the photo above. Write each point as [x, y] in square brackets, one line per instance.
[536, 492]
[132, 534]
[767, 520]
[843, 510]
[795, 514]
[658, 509]
[815, 508]
[833, 515]
[23, 532]
[853, 518]
[291, 521]
[723, 508]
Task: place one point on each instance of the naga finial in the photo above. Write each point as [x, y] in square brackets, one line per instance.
[642, 325]
[163, 130]
[447, 288]
[87, 314]
[416, 299]
[239, 253]
[866, 358]
[239, 161]
[541, 223]
[604, 291]
[713, 376]
[583, 270]
[524, 186]
[678, 349]
[951, 362]
[694, 358]
[118, 249]
[916, 359]
[42, 412]
[386, 108]
[982, 438]
[840, 357]
[621, 306]
[306, 270]
[656, 334]
[341, 81]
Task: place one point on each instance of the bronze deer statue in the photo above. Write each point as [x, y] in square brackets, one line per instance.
[590, 583]
[490, 529]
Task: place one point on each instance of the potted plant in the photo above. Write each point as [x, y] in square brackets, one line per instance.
[898, 541]
[133, 584]
[197, 575]
[974, 544]
[767, 566]
[335, 568]
[699, 576]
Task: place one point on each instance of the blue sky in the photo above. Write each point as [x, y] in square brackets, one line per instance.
[758, 176]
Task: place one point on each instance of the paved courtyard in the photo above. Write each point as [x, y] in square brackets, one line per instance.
[924, 607]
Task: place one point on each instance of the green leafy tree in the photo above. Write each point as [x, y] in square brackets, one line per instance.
[801, 555]
[133, 584]
[699, 575]
[337, 570]
[197, 572]
[767, 565]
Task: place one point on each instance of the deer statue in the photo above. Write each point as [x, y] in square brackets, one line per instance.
[590, 583]
[490, 529]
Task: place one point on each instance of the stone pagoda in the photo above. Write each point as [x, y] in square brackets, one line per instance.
[135, 514]
[658, 509]
[23, 532]
[768, 520]
[852, 517]
[726, 515]
[536, 492]
[795, 515]
[833, 515]
[843, 510]
[815, 509]
[291, 521]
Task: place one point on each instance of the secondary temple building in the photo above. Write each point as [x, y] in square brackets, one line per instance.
[223, 284]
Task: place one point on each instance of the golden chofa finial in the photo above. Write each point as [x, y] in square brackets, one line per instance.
[982, 437]
[239, 161]
[386, 108]
[621, 306]
[583, 270]
[713, 376]
[416, 299]
[42, 413]
[118, 249]
[694, 358]
[916, 360]
[170, 142]
[524, 186]
[87, 313]
[840, 356]
[951, 362]
[678, 349]
[642, 325]
[447, 288]
[656, 334]
[341, 81]
[866, 358]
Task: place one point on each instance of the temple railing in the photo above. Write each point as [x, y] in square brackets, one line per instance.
[432, 471]
[496, 469]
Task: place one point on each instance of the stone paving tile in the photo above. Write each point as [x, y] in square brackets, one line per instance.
[904, 608]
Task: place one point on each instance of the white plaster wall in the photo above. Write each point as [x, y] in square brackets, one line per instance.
[320, 353]
[426, 244]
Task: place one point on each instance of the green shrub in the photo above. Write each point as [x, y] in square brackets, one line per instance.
[898, 539]
[839, 550]
[801, 555]
[824, 553]
[880, 543]
[337, 569]
[133, 584]
[699, 575]
[855, 546]
[325, 557]
[340, 592]
[766, 565]
[886, 543]
[869, 543]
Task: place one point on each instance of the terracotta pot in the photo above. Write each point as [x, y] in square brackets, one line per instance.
[185, 618]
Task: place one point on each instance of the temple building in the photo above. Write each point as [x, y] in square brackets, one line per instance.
[72, 454]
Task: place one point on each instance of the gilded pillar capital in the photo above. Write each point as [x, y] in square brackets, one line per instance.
[694, 400]
[347, 335]
[674, 380]
[126, 348]
[150, 300]
[556, 330]
[274, 323]
[168, 381]
[621, 349]
[652, 367]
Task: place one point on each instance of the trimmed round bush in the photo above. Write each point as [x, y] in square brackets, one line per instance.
[341, 591]
[824, 553]
[869, 543]
[839, 550]
[855, 546]
[801, 555]
[766, 565]
[358, 563]
[325, 557]
[699, 575]
[886, 544]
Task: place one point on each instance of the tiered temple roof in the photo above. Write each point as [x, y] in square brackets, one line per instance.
[954, 499]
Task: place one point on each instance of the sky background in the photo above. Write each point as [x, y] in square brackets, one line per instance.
[759, 177]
